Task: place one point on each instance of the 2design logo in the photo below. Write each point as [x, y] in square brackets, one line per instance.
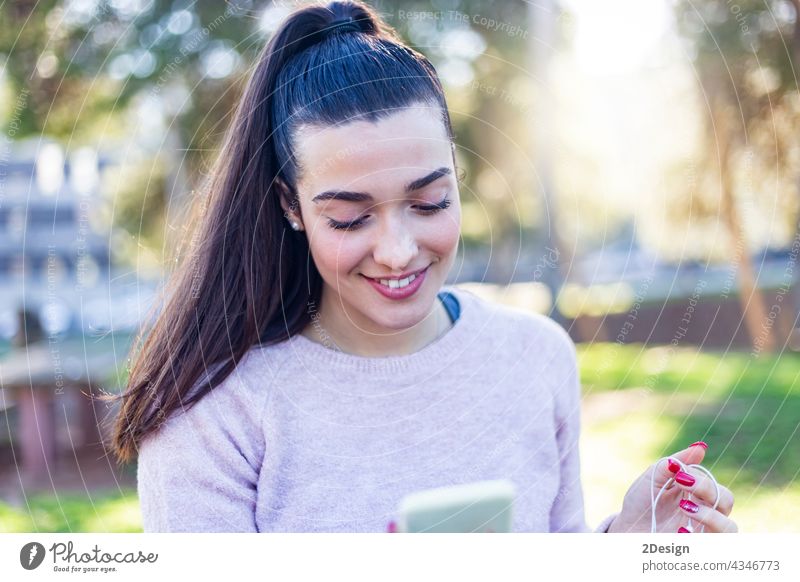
[31, 555]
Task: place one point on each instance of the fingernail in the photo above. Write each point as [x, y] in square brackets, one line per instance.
[683, 530]
[689, 506]
[673, 466]
[684, 478]
[700, 443]
[392, 527]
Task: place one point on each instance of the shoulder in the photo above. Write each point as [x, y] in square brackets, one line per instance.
[232, 410]
[246, 387]
[531, 330]
[541, 344]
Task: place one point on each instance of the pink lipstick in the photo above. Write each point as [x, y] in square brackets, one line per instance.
[399, 292]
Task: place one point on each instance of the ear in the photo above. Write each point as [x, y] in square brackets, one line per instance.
[290, 202]
[288, 211]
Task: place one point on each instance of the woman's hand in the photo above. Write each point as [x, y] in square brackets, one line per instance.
[671, 515]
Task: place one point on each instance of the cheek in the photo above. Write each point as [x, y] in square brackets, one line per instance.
[335, 252]
[444, 235]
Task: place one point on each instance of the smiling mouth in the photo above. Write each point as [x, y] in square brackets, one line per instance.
[395, 283]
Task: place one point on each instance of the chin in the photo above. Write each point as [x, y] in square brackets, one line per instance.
[400, 317]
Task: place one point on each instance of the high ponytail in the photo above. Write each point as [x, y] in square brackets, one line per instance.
[249, 279]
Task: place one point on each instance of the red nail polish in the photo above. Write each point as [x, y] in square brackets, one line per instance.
[392, 527]
[673, 466]
[683, 530]
[684, 478]
[700, 443]
[689, 506]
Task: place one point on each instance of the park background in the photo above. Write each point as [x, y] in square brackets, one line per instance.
[631, 170]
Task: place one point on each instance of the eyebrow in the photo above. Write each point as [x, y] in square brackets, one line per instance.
[348, 196]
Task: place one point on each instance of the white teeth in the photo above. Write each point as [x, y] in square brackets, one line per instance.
[396, 283]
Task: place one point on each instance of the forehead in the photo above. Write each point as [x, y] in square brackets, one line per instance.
[399, 147]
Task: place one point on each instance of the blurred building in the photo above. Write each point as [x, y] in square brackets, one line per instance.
[55, 255]
[59, 284]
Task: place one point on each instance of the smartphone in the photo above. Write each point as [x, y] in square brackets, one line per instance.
[480, 507]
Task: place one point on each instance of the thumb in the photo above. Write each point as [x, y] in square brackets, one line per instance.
[691, 455]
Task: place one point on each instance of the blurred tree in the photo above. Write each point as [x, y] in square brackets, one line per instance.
[745, 54]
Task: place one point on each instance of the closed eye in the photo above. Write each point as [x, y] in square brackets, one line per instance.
[436, 207]
[426, 210]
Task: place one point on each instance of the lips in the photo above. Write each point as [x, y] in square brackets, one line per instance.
[397, 278]
[399, 292]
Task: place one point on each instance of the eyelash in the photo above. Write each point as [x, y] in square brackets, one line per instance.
[426, 210]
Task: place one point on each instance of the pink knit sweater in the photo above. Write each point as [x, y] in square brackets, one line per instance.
[304, 438]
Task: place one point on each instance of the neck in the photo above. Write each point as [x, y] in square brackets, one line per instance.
[335, 330]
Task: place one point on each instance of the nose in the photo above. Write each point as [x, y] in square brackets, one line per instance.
[396, 246]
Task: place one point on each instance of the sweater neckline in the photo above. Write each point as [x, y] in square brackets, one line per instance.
[440, 351]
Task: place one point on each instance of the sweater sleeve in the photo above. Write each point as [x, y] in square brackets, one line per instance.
[199, 471]
[606, 523]
[567, 511]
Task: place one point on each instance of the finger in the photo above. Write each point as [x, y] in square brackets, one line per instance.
[691, 455]
[726, 500]
[713, 520]
[702, 487]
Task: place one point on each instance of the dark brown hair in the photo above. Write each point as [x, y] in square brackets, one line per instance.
[249, 278]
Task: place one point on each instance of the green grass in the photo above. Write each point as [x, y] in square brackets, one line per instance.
[616, 367]
[746, 409]
[102, 511]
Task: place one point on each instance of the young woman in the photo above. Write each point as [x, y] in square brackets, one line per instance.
[311, 367]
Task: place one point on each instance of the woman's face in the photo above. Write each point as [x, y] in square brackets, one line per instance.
[385, 180]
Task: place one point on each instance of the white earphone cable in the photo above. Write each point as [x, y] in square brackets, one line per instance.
[684, 468]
